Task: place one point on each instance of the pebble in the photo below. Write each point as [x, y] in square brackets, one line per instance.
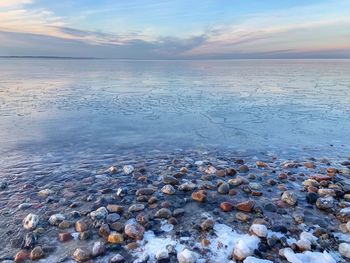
[82, 225]
[258, 230]
[36, 253]
[145, 191]
[115, 238]
[199, 196]
[64, 237]
[243, 168]
[56, 219]
[163, 213]
[136, 207]
[128, 169]
[168, 189]
[311, 198]
[98, 249]
[116, 259]
[224, 188]
[289, 197]
[31, 221]
[21, 256]
[134, 231]
[226, 206]
[325, 203]
[245, 206]
[242, 217]
[99, 214]
[187, 186]
[207, 224]
[81, 255]
[169, 180]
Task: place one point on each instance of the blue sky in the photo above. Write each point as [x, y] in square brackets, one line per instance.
[176, 29]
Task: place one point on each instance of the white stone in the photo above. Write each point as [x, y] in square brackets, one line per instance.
[100, 213]
[168, 189]
[56, 219]
[258, 230]
[45, 192]
[210, 170]
[348, 226]
[304, 244]
[344, 250]
[187, 256]
[308, 256]
[246, 246]
[128, 169]
[31, 221]
[162, 255]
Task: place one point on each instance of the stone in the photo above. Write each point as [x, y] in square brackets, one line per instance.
[321, 177]
[187, 256]
[270, 207]
[64, 237]
[289, 197]
[116, 259]
[255, 186]
[298, 217]
[258, 230]
[169, 180]
[112, 169]
[104, 230]
[226, 206]
[36, 253]
[31, 221]
[245, 247]
[238, 181]
[168, 189]
[187, 186]
[21, 256]
[245, 206]
[134, 231]
[29, 240]
[64, 224]
[179, 212]
[344, 215]
[221, 173]
[261, 164]
[309, 165]
[98, 249]
[81, 255]
[136, 208]
[3, 185]
[224, 188]
[199, 196]
[183, 170]
[99, 214]
[145, 191]
[56, 219]
[243, 168]
[128, 169]
[163, 213]
[45, 192]
[344, 250]
[82, 225]
[207, 225]
[117, 208]
[324, 192]
[210, 170]
[242, 217]
[311, 197]
[325, 203]
[115, 238]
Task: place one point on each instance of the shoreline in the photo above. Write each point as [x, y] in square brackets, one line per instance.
[246, 208]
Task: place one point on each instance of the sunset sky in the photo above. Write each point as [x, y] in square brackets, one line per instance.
[181, 29]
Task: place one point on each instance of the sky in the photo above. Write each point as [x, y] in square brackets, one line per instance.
[176, 29]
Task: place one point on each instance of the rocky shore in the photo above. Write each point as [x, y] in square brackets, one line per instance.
[188, 208]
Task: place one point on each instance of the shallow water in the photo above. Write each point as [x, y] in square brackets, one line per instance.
[92, 107]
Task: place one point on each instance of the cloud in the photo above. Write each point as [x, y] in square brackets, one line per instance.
[14, 3]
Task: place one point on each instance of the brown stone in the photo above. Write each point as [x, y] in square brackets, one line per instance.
[115, 238]
[312, 189]
[64, 237]
[226, 206]
[221, 173]
[232, 192]
[282, 176]
[183, 170]
[21, 256]
[82, 225]
[256, 193]
[134, 231]
[199, 196]
[104, 230]
[242, 216]
[132, 246]
[207, 224]
[81, 255]
[321, 177]
[205, 242]
[310, 165]
[245, 206]
[231, 171]
[64, 224]
[261, 164]
[115, 208]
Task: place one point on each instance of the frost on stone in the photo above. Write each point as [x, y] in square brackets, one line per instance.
[308, 256]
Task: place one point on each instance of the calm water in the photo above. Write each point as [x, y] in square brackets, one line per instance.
[55, 108]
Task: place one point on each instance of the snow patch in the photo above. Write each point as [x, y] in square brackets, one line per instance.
[308, 256]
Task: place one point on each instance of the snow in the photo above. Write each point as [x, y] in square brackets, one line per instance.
[308, 256]
[246, 246]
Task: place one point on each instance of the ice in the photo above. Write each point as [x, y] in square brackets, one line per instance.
[308, 256]
[246, 246]
[251, 259]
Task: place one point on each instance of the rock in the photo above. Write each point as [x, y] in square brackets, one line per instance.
[178, 212]
[3, 185]
[162, 256]
[163, 213]
[303, 245]
[321, 177]
[245, 206]
[344, 215]
[169, 180]
[344, 250]
[82, 225]
[311, 197]
[243, 168]
[255, 186]
[64, 237]
[168, 189]
[104, 230]
[36, 253]
[226, 206]
[45, 192]
[99, 214]
[298, 217]
[245, 247]
[187, 186]
[210, 170]
[56, 219]
[134, 231]
[98, 249]
[325, 203]
[258, 230]
[21, 256]
[289, 197]
[309, 165]
[116, 259]
[221, 173]
[223, 188]
[348, 226]
[207, 224]
[199, 196]
[136, 208]
[31, 221]
[145, 191]
[183, 170]
[64, 224]
[324, 192]
[81, 255]
[238, 181]
[242, 217]
[112, 169]
[270, 207]
[187, 256]
[128, 169]
[115, 238]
